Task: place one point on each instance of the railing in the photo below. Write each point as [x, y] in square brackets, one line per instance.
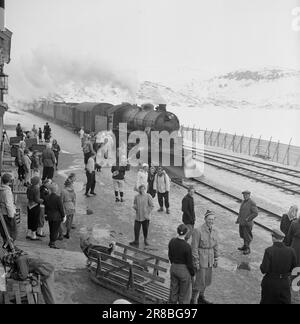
[286, 154]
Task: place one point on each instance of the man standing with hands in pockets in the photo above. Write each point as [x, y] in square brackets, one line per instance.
[205, 257]
[248, 212]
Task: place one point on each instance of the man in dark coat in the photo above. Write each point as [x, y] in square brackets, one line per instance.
[278, 263]
[188, 209]
[248, 212]
[55, 214]
[48, 160]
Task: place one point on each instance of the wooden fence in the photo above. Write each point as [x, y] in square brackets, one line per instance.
[286, 154]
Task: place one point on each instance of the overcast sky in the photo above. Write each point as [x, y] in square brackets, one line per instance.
[154, 36]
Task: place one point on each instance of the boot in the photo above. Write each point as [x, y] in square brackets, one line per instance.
[168, 211]
[243, 248]
[160, 210]
[34, 237]
[29, 234]
[40, 233]
[146, 242]
[134, 244]
[247, 251]
[203, 301]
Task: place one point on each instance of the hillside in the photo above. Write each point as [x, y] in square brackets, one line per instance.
[267, 88]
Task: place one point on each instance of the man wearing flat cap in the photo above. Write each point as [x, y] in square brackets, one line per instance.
[248, 212]
[278, 263]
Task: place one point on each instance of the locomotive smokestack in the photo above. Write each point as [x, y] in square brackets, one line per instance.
[162, 107]
[2, 15]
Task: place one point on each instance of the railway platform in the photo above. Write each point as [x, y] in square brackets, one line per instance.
[236, 281]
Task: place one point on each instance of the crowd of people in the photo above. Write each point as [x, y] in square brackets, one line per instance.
[193, 254]
[35, 132]
[29, 161]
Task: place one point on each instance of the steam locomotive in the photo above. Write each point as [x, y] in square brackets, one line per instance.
[97, 117]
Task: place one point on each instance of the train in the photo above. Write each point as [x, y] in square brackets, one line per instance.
[97, 117]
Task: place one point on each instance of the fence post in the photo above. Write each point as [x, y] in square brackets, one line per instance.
[258, 146]
[240, 144]
[225, 141]
[210, 138]
[268, 147]
[233, 142]
[205, 142]
[287, 154]
[276, 153]
[217, 140]
[250, 142]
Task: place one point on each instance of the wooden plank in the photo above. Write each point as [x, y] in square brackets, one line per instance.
[136, 271]
[141, 261]
[142, 252]
[107, 256]
[148, 275]
[159, 290]
[133, 295]
[16, 291]
[29, 295]
[106, 266]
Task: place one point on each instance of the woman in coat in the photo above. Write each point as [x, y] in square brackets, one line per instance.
[56, 150]
[293, 239]
[287, 220]
[68, 197]
[33, 208]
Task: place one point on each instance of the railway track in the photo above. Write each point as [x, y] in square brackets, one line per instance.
[266, 219]
[254, 170]
[262, 165]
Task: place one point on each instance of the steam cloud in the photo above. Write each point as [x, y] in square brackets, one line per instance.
[46, 73]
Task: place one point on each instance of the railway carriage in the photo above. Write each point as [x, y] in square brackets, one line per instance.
[65, 112]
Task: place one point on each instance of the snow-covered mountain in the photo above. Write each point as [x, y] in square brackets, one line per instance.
[266, 88]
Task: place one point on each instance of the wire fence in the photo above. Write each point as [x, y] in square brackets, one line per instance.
[286, 154]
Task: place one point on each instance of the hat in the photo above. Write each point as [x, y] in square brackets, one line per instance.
[182, 229]
[35, 181]
[277, 234]
[209, 213]
[145, 165]
[68, 183]
[246, 192]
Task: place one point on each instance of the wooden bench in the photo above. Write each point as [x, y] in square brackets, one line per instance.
[132, 273]
[22, 292]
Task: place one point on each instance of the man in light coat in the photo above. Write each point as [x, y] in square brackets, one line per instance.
[161, 185]
[205, 257]
[248, 212]
[143, 206]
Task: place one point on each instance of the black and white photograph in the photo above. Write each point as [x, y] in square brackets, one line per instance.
[150, 155]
